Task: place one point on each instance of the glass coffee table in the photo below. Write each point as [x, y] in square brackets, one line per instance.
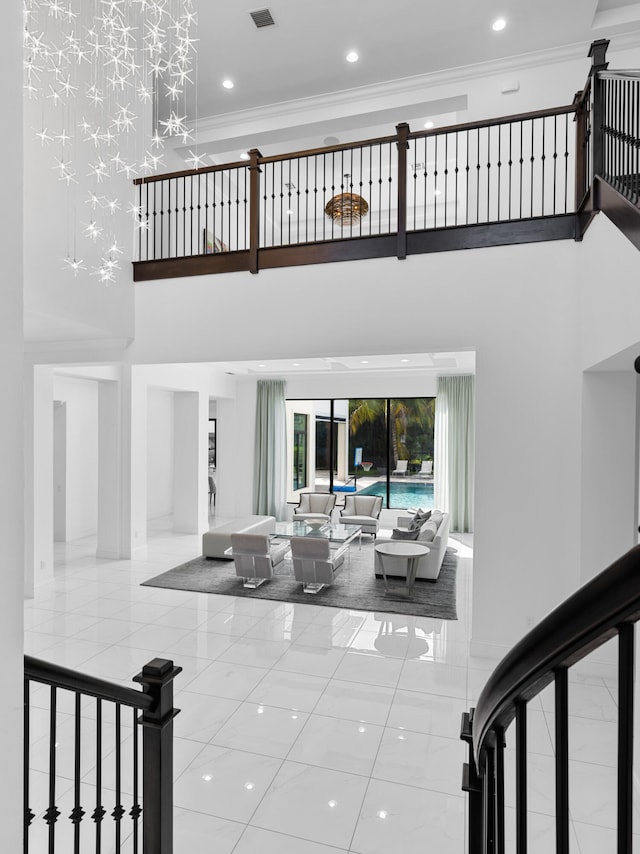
[341, 534]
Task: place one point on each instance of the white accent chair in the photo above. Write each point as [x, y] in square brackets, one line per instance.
[426, 469]
[256, 559]
[315, 563]
[315, 505]
[402, 467]
[362, 510]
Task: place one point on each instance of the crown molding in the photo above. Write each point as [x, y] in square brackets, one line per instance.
[405, 86]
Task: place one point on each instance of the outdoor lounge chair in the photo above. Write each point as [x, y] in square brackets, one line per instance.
[426, 469]
[402, 467]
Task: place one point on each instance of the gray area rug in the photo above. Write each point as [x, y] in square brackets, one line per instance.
[357, 588]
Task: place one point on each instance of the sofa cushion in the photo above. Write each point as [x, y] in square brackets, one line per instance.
[405, 534]
[428, 531]
[436, 516]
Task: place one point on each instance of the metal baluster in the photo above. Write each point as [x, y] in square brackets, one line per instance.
[626, 675]
[389, 182]
[136, 809]
[510, 162]
[543, 158]
[435, 182]
[555, 160]
[29, 815]
[140, 214]
[77, 813]
[499, 168]
[161, 217]
[52, 813]
[566, 163]
[446, 175]
[521, 777]
[99, 811]
[499, 847]
[521, 123]
[118, 810]
[466, 209]
[424, 182]
[477, 175]
[488, 174]
[456, 184]
[562, 759]
[532, 158]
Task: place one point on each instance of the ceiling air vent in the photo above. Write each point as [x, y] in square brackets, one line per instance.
[262, 18]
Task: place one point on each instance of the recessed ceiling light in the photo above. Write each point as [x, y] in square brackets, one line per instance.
[244, 155]
[352, 56]
[228, 84]
[428, 125]
[499, 24]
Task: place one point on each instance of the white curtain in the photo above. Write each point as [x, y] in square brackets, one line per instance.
[270, 465]
[454, 450]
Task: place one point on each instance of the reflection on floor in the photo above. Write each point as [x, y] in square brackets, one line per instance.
[309, 730]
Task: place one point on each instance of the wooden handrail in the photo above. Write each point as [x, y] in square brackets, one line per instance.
[364, 143]
[583, 622]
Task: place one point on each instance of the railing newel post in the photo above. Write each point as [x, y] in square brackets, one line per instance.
[156, 679]
[254, 209]
[597, 52]
[403, 144]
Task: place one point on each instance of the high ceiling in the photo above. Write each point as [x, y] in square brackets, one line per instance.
[302, 55]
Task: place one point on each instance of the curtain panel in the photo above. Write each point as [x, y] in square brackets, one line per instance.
[454, 461]
[270, 460]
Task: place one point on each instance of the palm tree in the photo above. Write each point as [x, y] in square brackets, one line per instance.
[409, 417]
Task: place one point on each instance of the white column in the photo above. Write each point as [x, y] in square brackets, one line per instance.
[109, 471]
[190, 471]
[609, 468]
[133, 501]
[38, 476]
[11, 433]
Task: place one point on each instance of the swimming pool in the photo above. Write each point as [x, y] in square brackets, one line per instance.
[403, 495]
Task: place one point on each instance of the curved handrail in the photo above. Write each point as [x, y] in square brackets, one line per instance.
[581, 623]
[72, 680]
[622, 74]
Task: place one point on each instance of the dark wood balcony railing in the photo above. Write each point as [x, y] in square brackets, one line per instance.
[515, 179]
[607, 607]
[89, 784]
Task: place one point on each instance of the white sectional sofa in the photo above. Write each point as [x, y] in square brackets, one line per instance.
[215, 542]
[434, 534]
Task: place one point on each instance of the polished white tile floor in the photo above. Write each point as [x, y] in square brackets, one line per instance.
[304, 729]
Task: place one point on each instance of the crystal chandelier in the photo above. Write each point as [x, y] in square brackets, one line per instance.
[109, 80]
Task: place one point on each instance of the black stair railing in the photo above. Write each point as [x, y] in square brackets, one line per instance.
[90, 782]
[606, 607]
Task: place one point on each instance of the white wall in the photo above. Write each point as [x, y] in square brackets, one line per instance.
[81, 398]
[515, 305]
[11, 433]
[160, 457]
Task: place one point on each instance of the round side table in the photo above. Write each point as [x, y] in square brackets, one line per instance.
[411, 552]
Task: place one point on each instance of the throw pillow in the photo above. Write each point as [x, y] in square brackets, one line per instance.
[428, 531]
[405, 534]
